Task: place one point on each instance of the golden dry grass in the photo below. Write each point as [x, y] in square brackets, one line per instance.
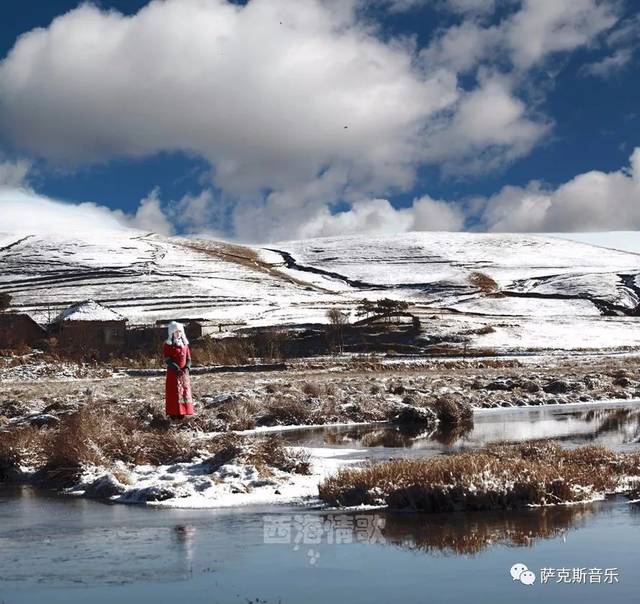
[498, 477]
[98, 436]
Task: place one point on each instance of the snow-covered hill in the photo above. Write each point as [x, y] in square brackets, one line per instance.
[540, 280]
[437, 266]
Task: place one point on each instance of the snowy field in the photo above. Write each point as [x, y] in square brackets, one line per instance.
[551, 292]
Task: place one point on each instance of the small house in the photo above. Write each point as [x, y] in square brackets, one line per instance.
[19, 329]
[90, 325]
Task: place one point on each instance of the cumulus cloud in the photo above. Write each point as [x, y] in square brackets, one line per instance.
[271, 93]
[22, 210]
[150, 215]
[593, 201]
[295, 105]
[490, 128]
[543, 27]
[378, 216]
[274, 93]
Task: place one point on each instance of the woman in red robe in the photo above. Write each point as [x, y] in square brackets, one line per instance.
[178, 402]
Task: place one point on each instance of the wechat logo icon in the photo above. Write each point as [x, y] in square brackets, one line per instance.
[519, 572]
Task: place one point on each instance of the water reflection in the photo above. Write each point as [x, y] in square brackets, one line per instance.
[471, 533]
[612, 425]
[184, 539]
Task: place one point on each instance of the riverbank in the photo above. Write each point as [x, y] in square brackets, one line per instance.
[106, 436]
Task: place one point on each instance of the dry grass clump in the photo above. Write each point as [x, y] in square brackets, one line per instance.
[265, 454]
[498, 477]
[452, 412]
[228, 448]
[97, 435]
[485, 330]
[20, 447]
[91, 436]
[313, 389]
[224, 351]
[284, 411]
[271, 452]
[239, 414]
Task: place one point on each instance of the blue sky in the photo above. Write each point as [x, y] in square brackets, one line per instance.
[569, 103]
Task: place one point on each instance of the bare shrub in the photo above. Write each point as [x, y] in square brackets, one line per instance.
[336, 317]
[227, 448]
[452, 412]
[483, 282]
[485, 330]
[5, 301]
[312, 389]
[270, 344]
[264, 454]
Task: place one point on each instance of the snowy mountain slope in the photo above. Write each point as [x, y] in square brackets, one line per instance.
[144, 277]
[625, 241]
[436, 266]
[548, 286]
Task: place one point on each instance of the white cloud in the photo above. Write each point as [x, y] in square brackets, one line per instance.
[274, 94]
[13, 173]
[378, 216]
[526, 37]
[490, 127]
[476, 7]
[543, 27]
[22, 210]
[150, 215]
[610, 64]
[593, 201]
[622, 43]
[462, 47]
[271, 93]
[296, 105]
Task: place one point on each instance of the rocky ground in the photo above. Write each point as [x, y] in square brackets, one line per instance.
[320, 392]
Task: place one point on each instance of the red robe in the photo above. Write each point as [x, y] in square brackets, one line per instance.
[178, 400]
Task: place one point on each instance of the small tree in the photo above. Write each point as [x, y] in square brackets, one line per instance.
[5, 301]
[337, 321]
[383, 308]
[337, 317]
[366, 308]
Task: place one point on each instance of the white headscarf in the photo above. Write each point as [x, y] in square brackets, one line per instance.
[177, 335]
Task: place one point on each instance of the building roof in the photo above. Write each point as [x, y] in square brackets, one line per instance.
[88, 310]
[12, 317]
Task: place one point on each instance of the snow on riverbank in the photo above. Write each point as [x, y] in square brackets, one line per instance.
[193, 485]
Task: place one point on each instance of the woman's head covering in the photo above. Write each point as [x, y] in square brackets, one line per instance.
[177, 335]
